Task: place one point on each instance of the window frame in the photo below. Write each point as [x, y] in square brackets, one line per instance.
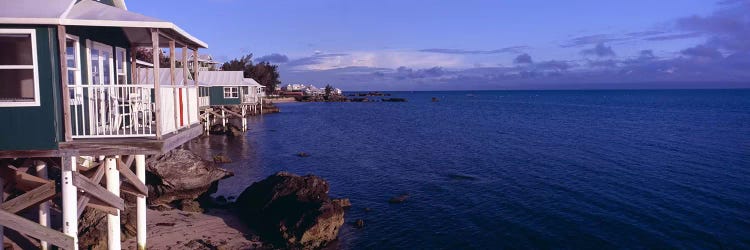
[230, 92]
[34, 67]
[124, 73]
[78, 79]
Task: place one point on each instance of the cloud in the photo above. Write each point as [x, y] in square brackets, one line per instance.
[592, 39]
[273, 58]
[674, 36]
[514, 49]
[728, 27]
[702, 51]
[646, 55]
[523, 59]
[600, 50]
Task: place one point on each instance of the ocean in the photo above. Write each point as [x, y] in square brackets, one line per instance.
[519, 169]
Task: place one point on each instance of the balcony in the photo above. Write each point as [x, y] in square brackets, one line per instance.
[107, 111]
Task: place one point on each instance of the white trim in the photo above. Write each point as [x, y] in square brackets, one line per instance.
[77, 81]
[35, 67]
[230, 92]
[124, 72]
[105, 23]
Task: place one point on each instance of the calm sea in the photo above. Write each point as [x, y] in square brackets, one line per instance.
[520, 169]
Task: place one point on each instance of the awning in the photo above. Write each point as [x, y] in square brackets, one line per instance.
[92, 13]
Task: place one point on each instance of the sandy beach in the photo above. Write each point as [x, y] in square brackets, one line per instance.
[216, 229]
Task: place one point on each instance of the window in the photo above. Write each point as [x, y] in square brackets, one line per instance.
[231, 92]
[122, 75]
[73, 64]
[19, 80]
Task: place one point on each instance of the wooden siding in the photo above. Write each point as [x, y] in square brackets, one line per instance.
[217, 97]
[37, 128]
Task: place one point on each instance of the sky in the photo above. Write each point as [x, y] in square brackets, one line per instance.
[478, 44]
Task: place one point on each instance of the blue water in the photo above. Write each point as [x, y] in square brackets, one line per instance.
[520, 169]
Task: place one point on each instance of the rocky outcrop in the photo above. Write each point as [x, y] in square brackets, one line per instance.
[291, 211]
[92, 227]
[180, 175]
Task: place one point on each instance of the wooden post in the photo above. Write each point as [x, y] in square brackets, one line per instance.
[2, 197]
[44, 218]
[157, 88]
[185, 78]
[175, 91]
[133, 65]
[70, 199]
[113, 186]
[140, 171]
[223, 119]
[244, 118]
[195, 66]
[64, 82]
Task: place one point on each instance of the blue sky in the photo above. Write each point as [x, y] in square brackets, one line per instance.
[436, 45]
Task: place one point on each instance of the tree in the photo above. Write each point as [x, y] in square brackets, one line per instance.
[329, 90]
[264, 73]
[146, 55]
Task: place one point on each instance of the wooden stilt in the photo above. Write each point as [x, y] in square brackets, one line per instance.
[244, 118]
[140, 171]
[113, 221]
[223, 118]
[70, 199]
[44, 218]
[2, 197]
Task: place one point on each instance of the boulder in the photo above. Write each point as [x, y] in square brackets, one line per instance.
[343, 202]
[180, 175]
[190, 206]
[216, 129]
[92, 227]
[221, 158]
[399, 199]
[292, 211]
[233, 130]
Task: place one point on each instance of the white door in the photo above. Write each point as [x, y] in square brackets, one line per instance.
[102, 93]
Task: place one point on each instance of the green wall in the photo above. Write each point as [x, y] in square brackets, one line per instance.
[217, 97]
[38, 128]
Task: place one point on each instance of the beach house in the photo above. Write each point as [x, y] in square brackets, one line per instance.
[70, 98]
[225, 94]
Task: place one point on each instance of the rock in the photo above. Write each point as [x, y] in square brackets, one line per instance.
[233, 131]
[92, 227]
[303, 154]
[394, 100]
[343, 202]
[201, 244]
[399, 199]
[221, 158]
[434, 99]
[216, 129]
[360, 223]
[191, 206]
[291, 210]
[180, 175]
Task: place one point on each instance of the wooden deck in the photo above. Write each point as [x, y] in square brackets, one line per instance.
[113, 146]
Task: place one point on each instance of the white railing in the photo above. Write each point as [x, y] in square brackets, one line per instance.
[179, 107]
[249, 98]
[104, 111]
[111, 111]
[204, 101]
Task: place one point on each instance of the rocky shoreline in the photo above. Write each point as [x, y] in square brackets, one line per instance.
[282, 211]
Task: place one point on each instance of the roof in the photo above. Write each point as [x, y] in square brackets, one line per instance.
[146, 76]
[221, 78]
[252, 83]
[92, 13]
[201, 58]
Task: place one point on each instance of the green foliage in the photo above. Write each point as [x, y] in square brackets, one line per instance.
[264, 73]
[329, 90]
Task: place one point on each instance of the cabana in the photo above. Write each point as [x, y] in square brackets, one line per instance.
[71, 99]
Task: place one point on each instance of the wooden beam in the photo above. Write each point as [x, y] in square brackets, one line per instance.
[61, 38]
[231, 112]
[195, 66]
[169, 37]
[157, 89]
[185, 72]
[35, 230]
[30, 198]
[97, 191]
[20, 180]
[133, 65]
[173, 81]
[95, 178]
[99, 205]
[132, 178]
